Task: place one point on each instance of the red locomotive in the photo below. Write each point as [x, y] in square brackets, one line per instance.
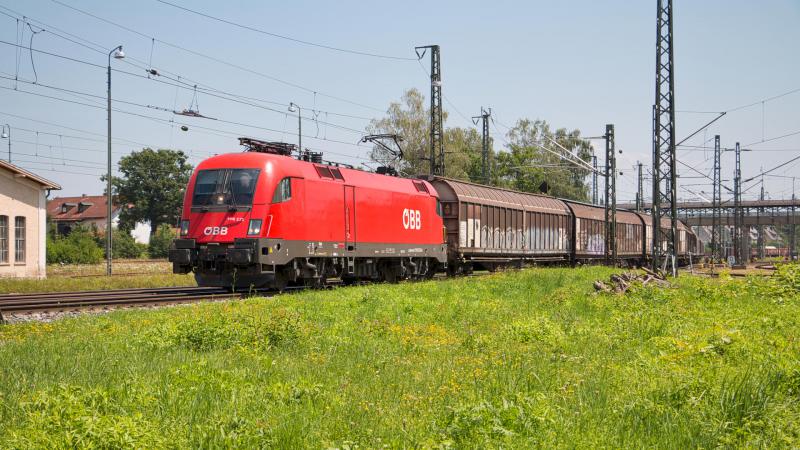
[264, 219]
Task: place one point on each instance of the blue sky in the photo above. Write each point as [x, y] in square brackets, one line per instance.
[578, 64]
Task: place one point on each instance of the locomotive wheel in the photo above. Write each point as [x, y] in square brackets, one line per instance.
[281, 281]
[389, 274]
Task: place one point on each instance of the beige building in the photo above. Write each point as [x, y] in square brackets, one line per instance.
[23, 227]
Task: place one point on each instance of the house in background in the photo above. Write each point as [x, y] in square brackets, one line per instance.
[90, 211]
[23, 226]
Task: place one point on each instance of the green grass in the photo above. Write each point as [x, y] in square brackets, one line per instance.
[514, 360]
[90, 283]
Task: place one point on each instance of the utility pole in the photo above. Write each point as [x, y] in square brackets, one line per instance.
[7, 135]
[436, 135]
[664, 170]
[485, 169]
[292, 107]
[610, 198]
[640, 189]
[716, 205]
[118, 54]
[760, 227]
[594, 180]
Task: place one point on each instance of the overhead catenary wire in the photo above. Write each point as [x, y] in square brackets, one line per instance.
[182, 86]
[218, 60]
[280, 36]
[253, 126]
[162, 73]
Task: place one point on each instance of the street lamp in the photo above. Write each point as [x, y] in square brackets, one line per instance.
[7, 135]
[292, 108]
[118, 54]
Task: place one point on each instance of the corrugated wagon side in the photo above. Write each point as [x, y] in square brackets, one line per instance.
[489, 227]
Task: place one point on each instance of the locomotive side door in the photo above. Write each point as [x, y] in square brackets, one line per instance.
[350, 217]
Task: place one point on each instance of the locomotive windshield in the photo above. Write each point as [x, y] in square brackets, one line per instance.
[225, 187]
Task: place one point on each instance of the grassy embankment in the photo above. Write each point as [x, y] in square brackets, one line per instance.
[127, 274]
[518, 360]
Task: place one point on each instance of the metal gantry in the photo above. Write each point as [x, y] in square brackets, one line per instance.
[716, 200]
[738, 213]
[610, 197]
[664, 173]
[485, 168]
[437, 165]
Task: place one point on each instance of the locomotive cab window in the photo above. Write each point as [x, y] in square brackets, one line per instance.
[229, 188]
[283, 191]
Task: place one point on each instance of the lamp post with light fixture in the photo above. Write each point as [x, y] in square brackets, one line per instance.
[7, 135]
[118, 54]
[292, 108]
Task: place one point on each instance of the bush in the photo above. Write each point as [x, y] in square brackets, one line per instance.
[125, 246]
[160, 241]
[79, 247]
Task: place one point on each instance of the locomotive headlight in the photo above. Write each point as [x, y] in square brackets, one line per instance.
[254, 227]
[184, 227]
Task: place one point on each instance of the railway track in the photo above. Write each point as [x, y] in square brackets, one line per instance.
[70, 301]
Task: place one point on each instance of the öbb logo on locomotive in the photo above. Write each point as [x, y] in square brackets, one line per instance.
[412, 219]
[214, 231]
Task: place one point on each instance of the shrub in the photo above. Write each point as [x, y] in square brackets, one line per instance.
[160, 242]
[125, 246]
[79, 247]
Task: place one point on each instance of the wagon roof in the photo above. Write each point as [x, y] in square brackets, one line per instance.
[493, 196]
[594, 212]
[648, 219]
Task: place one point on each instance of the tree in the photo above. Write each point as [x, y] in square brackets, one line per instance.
[152, 183]
[528, 164]
[410, 119]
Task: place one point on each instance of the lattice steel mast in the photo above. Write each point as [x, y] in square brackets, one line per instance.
[611, 197]
[436, 133]
[485, 169]
[639, 188]
[761, 241]
[664, 174]
[716, 205]
[594, 180]
[738, 214]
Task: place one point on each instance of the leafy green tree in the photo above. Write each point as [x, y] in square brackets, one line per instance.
[464, 160]
[410, 119]
[160, 241]
[151, 187]
[529, 164]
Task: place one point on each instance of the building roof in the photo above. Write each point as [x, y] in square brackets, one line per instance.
[22, 173]
[85, 207]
